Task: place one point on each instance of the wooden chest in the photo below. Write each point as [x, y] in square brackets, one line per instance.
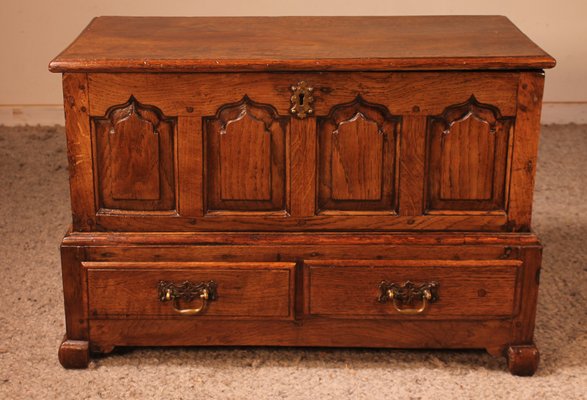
[297, 181]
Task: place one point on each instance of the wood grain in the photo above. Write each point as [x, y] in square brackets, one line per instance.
[79, 151]
[481, 289]
[74, 353]
[488, 262]
[411, 92]
[298, 238]
[416, 163]
[527, 131]
[244, 290]
[135, 156]
[303, 156]
[357, 158]
[246, 158]
[253, 252]
[74, 292]
[523, 359]
[164, 44]
[468, 163]
[280, 221]
[139, 178]
[357, 161]
[190, 162]
[412, 162]
[523, 326]
[319, 332]
[468, 158]
[402, 93]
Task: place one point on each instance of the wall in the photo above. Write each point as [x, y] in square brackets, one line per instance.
[34, 31]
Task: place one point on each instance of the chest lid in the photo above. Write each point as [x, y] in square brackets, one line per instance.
[237, 44]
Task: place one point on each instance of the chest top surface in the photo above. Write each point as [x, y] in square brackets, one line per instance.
[205, 44]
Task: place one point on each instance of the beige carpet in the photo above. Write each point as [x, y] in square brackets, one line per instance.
[35, 211]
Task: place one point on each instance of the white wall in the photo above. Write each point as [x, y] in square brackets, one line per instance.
[34, 31]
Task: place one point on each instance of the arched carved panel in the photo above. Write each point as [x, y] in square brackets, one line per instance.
[468, 158]
[356, 157]
[134, 146]
[245, 156]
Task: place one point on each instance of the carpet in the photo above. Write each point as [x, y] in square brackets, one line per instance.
[34, 213]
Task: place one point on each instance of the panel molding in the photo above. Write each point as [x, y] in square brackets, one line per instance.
[134, 146]
[357, 157]
[246, 158]
[468, 159]
[471, 108]
[246, 107]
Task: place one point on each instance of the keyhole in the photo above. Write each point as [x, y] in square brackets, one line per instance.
[301, 98]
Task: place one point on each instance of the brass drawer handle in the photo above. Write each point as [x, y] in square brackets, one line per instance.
[301, 100]
[403, 296]
[187, 291]
[187, 311]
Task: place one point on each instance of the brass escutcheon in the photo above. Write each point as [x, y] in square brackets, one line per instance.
[301, 100]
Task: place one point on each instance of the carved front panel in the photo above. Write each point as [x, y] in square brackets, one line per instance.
[468, 158]
[134, 151]
[245, 157]
[356, 156]
[361, 160]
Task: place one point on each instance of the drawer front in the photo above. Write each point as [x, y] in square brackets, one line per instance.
[458, 289]
[240, 290]
[262, 152]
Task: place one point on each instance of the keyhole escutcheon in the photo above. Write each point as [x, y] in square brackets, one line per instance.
[301, 100]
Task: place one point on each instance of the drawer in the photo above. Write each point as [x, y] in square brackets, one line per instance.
[165, 289]
[374, 289]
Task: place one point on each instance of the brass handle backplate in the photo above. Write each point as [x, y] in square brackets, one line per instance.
[301, 100]
[409, 297]
[186, 292]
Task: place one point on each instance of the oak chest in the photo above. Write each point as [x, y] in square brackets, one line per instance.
[302, 181]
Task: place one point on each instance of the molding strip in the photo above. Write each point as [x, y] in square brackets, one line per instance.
[48, 114]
